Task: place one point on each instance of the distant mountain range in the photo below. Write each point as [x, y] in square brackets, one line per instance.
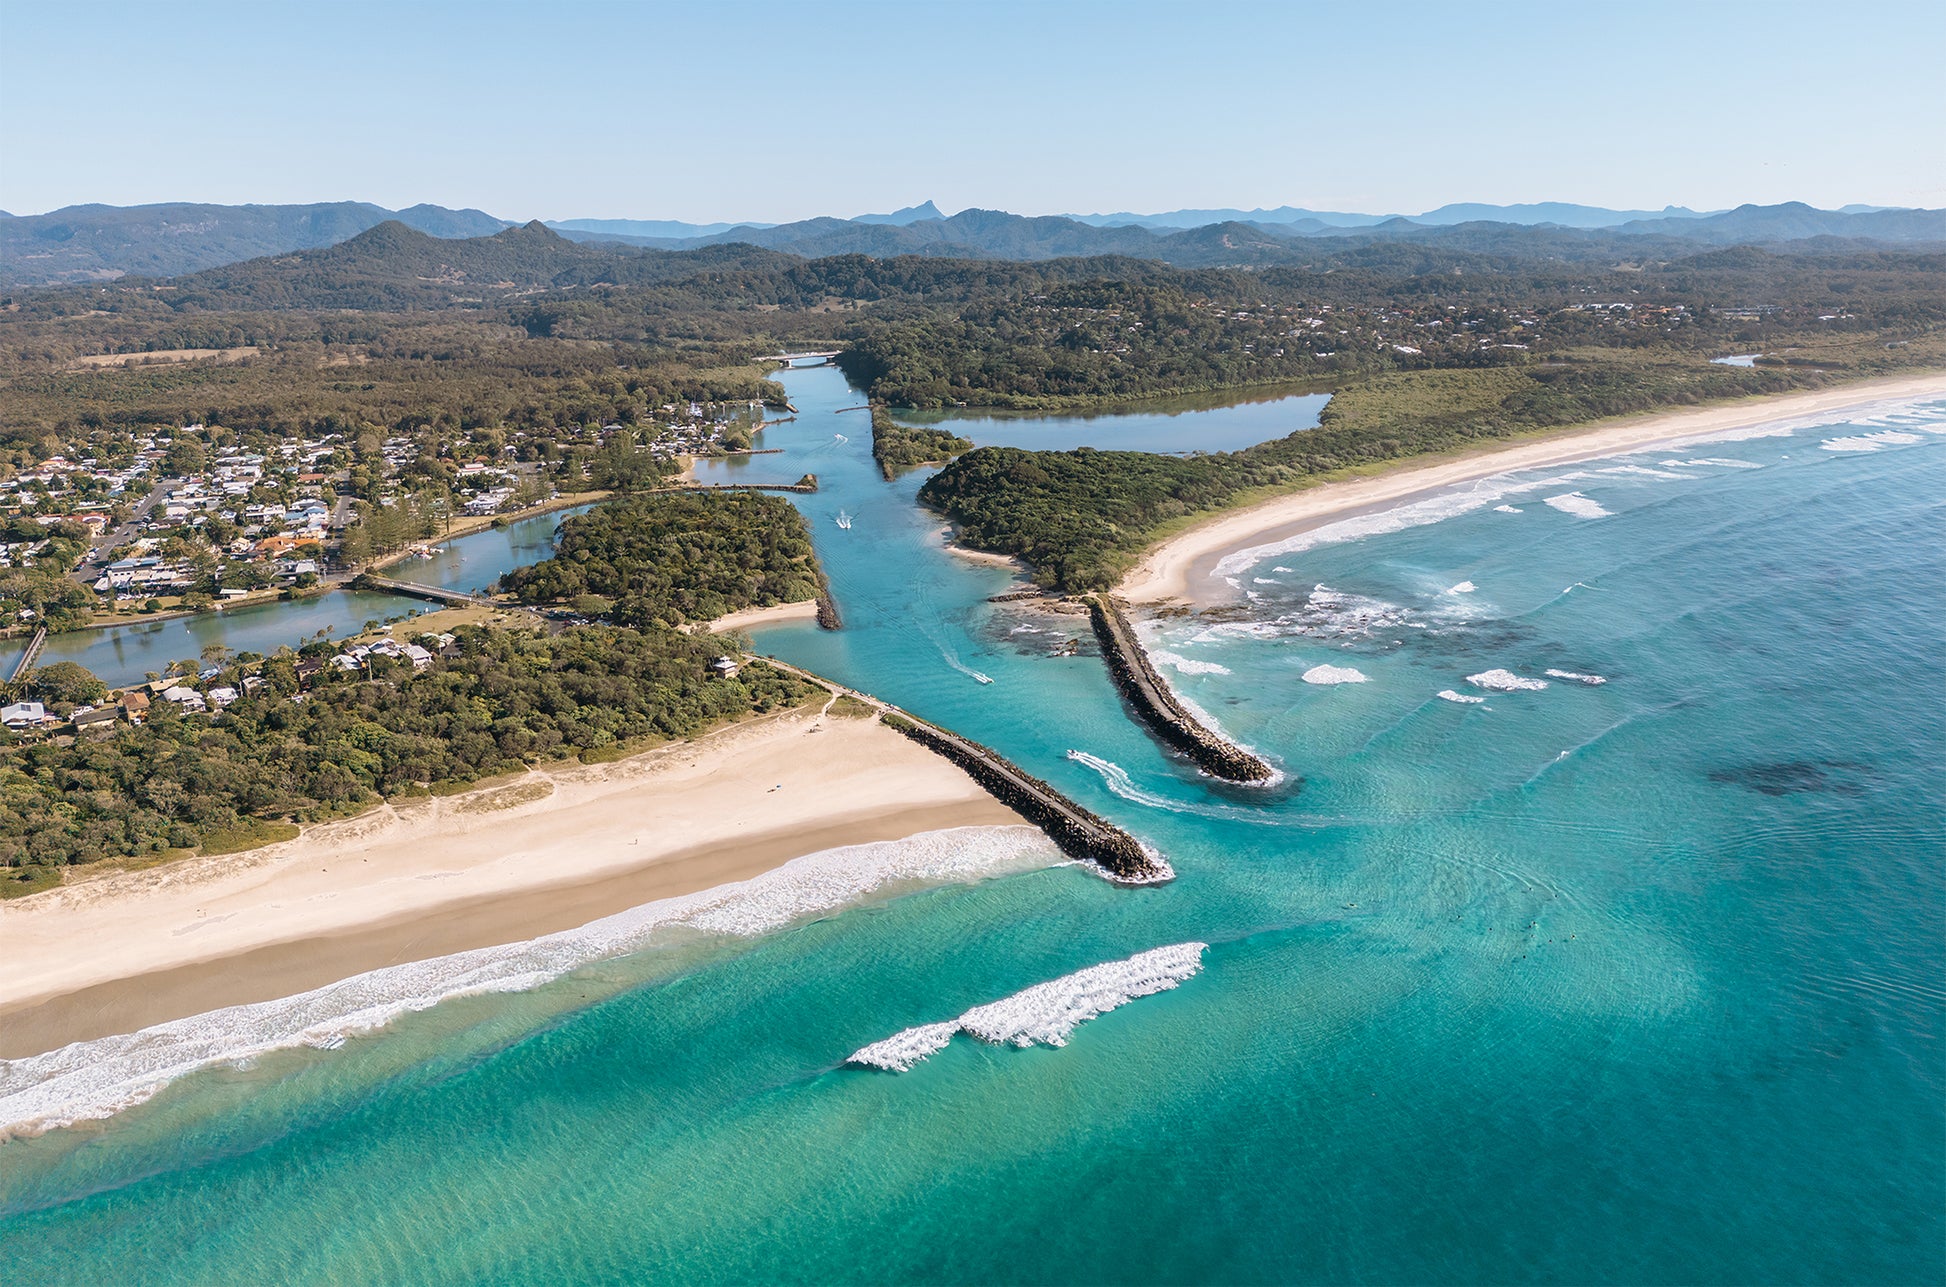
[98, 243]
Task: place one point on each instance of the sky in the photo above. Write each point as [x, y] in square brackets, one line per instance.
[771, 112]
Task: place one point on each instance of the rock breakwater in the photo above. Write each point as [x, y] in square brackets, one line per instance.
[1158, 705]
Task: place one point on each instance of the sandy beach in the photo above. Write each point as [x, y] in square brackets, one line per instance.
[1182, 567]
[776, 614]
[545, 851]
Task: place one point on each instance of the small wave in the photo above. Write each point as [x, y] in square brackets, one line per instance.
[1721, 462]
[1187, 666]
[1464, 587]
[1504, 681]
[1508, 509]
[95, 1079]
[1870, 441]
[1335, 675]
[1047, 1013]
[1117, 780]
[1265, 580]
[1643, 471]
[1283, 569]
[1577, 676]
[1576, 504]
[1463, 698]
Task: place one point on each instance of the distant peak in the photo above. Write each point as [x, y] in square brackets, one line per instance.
[900, 218]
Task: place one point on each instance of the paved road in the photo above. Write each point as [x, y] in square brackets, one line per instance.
[89, 570]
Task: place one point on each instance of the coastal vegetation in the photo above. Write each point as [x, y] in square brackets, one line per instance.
[502, 700]
[899, 447]
[671, 558]
[1081, 518]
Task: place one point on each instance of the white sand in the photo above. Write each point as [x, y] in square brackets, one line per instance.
[741, 800]
[1182, 566]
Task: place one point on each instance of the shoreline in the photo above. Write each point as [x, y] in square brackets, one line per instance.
[1181, 567]
[544, 851]
[775, 615]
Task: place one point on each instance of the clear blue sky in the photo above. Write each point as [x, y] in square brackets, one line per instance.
[755, 110]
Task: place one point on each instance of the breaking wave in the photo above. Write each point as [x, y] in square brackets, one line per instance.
[1464, 587]
[1870, 441]
[1577, 676]
[1721, 462]
[1504, 681]
[1576, 504]
[1187, 666]
[1117, 780]
[1507, 509]
[95, 1079]
[1463, 698]
[1045, 1014]
[1335, 675]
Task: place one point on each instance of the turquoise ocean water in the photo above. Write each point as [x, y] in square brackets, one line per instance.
[1630, 981]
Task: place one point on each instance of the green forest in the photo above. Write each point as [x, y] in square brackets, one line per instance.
[1082, 517]
[669, 558]
[898, 447]
[507, 699]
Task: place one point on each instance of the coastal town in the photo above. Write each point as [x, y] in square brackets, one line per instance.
[183, 519]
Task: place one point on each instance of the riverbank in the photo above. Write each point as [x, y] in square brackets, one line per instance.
[1182, 566]
[542, 852]
[776, 614]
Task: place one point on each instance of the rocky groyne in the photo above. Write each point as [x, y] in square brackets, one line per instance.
[1079, 833]
[1158, 705]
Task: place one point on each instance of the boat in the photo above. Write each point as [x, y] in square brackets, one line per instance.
[844, 520]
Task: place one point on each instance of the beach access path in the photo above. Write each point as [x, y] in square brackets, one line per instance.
[544, 851]
[1182, 567]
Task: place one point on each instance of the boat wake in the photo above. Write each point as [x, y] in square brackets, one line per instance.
[1045, 1014]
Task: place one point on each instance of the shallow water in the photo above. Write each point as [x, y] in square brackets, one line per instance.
[125, 654]
[1177, 425]
[1630, 981]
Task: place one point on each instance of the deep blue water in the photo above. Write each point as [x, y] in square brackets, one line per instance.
[1637, 981]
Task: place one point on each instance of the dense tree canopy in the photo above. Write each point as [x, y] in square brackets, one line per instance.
[673, 557]
[506, 699]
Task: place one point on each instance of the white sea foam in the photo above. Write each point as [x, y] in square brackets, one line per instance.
[899, 1052]
[1265, 580]
[1187, 666]
[1721, 462]
[1577, 676]
[95, 1079]
[1870, 441]
[1643, 471]
[1507, 509]
[1463, 698]
[1334, 675]
[1117, 780]
[1576, 504]
[1283, 569]
[1464, 587]
[1047, 1013]
[1504, 681]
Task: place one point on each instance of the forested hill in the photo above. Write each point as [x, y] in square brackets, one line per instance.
[97, 243]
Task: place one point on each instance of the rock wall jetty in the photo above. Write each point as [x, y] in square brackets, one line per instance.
[1158, 705]
[1079, 833]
